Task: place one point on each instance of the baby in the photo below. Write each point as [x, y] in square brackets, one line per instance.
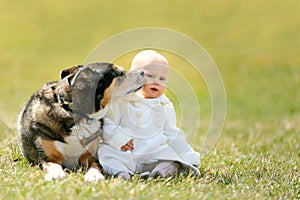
[140, 133]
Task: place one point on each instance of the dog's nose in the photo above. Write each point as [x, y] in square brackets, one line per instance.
[142, 73]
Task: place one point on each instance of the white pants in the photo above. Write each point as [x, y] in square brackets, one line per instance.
[162, 167]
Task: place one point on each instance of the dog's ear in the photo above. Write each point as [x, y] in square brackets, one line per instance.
[73, 70]
[64, 73]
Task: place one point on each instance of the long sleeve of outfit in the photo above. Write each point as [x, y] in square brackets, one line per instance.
[177, 141]
[114, 134]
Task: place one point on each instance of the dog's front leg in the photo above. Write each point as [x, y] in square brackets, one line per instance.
[53, 171]
[93, 175]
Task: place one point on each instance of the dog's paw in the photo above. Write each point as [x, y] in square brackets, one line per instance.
[93, 175]
[53, 171]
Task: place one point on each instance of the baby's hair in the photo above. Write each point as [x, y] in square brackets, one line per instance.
[148, 57]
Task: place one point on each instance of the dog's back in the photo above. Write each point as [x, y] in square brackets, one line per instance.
[43, 117]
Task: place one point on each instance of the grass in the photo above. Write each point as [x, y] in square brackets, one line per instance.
[255, 45]
[246, 164]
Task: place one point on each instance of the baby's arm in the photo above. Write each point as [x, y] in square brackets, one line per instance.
[113, 134]
[116, 136]
[175, 136]
[176, 139]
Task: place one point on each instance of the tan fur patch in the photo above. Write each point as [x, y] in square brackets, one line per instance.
[108, 94]
[87, 160]
[51, 151]
[116, 67]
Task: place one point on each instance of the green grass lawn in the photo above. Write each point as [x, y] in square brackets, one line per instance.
[255, 45]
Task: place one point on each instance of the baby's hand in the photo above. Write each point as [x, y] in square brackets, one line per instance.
[129, 146]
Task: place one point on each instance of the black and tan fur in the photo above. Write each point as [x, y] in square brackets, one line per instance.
[61, 123]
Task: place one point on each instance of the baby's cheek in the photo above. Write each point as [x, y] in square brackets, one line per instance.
[162, 88]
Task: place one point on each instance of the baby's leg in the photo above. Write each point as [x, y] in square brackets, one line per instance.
[165, 169]
[121, 172]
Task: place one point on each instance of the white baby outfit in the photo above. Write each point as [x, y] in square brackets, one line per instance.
[151, 123]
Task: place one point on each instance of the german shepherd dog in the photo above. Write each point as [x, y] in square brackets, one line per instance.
[60, 125]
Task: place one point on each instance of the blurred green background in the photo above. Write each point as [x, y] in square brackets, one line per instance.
[255, 45]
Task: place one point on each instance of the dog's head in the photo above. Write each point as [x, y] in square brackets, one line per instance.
[94, 85]
[121, 86]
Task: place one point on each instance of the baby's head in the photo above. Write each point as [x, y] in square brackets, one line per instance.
[155, 67]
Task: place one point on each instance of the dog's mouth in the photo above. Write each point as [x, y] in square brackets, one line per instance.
[134, 90]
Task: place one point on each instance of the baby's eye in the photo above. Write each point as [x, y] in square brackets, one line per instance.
[149, 75]
[162, 78]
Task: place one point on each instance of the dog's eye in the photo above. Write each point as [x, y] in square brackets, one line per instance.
[120, 79]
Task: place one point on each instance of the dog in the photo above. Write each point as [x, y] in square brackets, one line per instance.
[60, 125]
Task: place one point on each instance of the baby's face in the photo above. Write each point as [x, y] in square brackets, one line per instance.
[155, 81]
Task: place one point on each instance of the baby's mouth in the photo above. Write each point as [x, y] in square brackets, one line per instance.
[154, 89]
